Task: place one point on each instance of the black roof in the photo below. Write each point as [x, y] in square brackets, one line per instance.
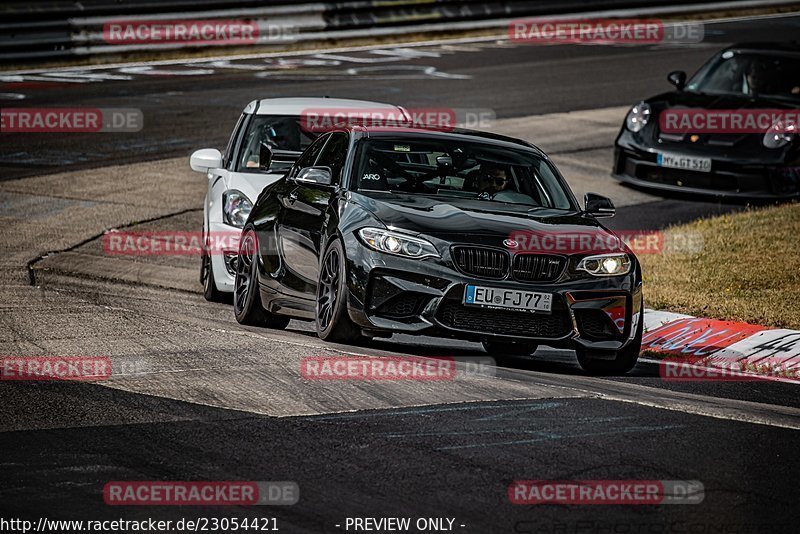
[458, 133]
[766, 46]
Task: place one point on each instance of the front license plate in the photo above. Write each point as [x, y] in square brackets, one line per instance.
[687, 163]
[508, 299]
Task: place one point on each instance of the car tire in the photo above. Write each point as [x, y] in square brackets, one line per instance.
[508, 348]
[613, 363]
[246, 297]
[331, 317]
[210, 291]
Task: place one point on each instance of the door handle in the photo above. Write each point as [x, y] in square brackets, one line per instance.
[292, 197]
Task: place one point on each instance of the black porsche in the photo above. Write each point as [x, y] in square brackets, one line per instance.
[720, 155]
[454, 234]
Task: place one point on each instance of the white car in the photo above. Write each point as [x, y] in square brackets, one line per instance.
[267, 139]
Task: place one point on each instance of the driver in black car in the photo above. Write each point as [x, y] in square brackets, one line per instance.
[754, 77]
[492, 180]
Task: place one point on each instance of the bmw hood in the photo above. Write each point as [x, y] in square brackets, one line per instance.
[512, 226]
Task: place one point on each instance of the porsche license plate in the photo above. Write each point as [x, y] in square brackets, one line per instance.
[686, 163]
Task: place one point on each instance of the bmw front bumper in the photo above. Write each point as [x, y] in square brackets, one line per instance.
[391, 294]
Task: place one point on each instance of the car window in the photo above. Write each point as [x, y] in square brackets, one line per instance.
[280, 133]
[226, 157]
[453, 168]
[308, 157]
[750, 74]
[334, 155]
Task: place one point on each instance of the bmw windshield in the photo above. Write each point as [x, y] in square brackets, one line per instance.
[451, 168]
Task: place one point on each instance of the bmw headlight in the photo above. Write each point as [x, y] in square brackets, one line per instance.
[605, 264]
[396, 243]
[235, 208]
[780, 135]
[637, 117]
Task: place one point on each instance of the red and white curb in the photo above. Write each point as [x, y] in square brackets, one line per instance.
[737, 349]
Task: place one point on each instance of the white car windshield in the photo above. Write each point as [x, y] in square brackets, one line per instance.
[279, 133]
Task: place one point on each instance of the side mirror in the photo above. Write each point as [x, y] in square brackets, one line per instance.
[677, 78]
[315, 175]
[264, 157]
[598, 205]
[206, 159]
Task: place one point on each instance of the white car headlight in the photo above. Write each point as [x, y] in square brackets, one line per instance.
[397, 243]
[235, 208]
[637, 117]
[780, 134]
[605, 264]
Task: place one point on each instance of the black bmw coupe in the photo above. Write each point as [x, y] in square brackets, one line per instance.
[455, 234]
[734, 130]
